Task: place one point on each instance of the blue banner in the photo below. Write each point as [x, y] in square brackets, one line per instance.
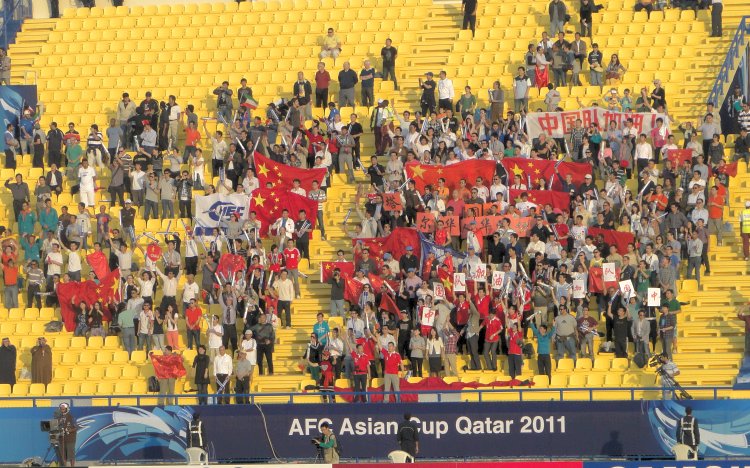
[10, 109]
[572, 430]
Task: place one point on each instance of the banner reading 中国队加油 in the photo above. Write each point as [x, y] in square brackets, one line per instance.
[558, 124]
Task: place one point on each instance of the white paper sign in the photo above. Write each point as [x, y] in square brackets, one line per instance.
[609, 272]
[626, 288]
[654, 297]
[480, 273]
[579, 289]
[498, 279]
[459, 282]
[439, 292]
[428, 317]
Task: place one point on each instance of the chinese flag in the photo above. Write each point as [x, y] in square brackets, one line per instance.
[428, 175]
[326, 269]
[99, 264]
[537, 169]
[377, 282]
[282, 176]
[269, 203]
[679, 156]
[728, 169]
[352, 289]
[388, 304]
[560, 200]
[597, 283]
[395, 243]
[88, 292]
[446, 277]
[616, 238]
[168, 367]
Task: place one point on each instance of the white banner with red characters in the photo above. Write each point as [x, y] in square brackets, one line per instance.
[428, 317]
[626, 288]
[479, 273]
[498, 279]
[559, 124]
[459, 282]
[654, 297]
[609, 272]
[438, 291]
[579, 289]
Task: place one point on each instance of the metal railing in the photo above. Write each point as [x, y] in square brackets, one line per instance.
[13, 14]
[731, 61]
[429, 396]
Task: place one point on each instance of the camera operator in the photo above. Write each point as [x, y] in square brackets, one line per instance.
[667, 370]
[66, 450]
[328, 444]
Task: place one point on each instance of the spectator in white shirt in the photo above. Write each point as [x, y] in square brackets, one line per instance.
[445, 92]
[285, 290]
[700, 212]
[86, 183]
[222, 370]
[215, 332]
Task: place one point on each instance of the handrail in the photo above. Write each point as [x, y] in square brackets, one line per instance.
[735, 51]
[441, 395]
[13, 10]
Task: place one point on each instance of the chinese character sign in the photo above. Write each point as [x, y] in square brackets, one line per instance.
[439, 291]
[480, 273]
[626, 288]
[654, 297]
[498, 279]
[452, 224]
[459, 282]
[392, 201]
[428, 317]
[558, 124]
[579, 289]
[609, 272]
[425, 222]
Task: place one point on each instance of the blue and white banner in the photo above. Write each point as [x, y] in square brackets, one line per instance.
[538, 430]
[213, 210]
[10, 110]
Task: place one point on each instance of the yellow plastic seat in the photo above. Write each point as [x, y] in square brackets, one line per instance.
[79, 373]
[54, 389]
[95, 373]
[111, 342]
[620, 364]
[541, 381]
[558, 381]
[565, 365]
[96, 342]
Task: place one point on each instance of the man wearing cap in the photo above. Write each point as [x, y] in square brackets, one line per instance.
[66, 450]
[427, 101]
[408, 261]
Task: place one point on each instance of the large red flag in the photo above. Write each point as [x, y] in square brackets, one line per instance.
[168, 366]
[395, 243]
[388, 304]
[446, 277]
[471, 169]
[326, 269]
[616, 238]
[282, 176]
[536, 169]
[88, 292]
[269, 203]
[99, 263]
[560, 200]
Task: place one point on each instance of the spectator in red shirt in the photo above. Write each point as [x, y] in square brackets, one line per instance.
[392, 367]
[492, 328]
[322, 81]
[192, 137]
[515, 346]
[715, 213]
[361, 374]
[193, 316]
[10, 277]
[291, 261]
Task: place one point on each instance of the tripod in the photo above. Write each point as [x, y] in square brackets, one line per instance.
[671, 384]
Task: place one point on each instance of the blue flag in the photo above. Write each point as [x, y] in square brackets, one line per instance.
[10, 109]
[440, 252]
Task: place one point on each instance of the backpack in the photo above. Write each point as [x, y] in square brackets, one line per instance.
[640, 360]
[337, 446]
[153, 384]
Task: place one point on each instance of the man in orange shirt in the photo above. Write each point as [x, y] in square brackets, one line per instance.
[715, 213]
[10, 277]
[193, 316]
[192, 137]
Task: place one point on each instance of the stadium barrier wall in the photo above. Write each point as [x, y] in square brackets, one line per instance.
[240, 433]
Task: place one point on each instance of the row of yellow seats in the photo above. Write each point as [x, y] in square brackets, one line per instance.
[112, 371]
[27, 313]
[228, 7]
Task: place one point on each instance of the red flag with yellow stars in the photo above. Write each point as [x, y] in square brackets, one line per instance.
[558, 200]
[282, 176]
[395, 243]
[423, 174]
[538, 169]
[88, 292]
[269, 203]
[326, 269]
[446, 277]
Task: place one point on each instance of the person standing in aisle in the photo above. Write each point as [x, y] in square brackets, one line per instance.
[745, 230]
[717, 7]
[470, 15]
[389, 54]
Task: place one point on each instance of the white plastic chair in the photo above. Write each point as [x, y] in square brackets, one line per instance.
[683, 452]
[197, 456]
[399, 456]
